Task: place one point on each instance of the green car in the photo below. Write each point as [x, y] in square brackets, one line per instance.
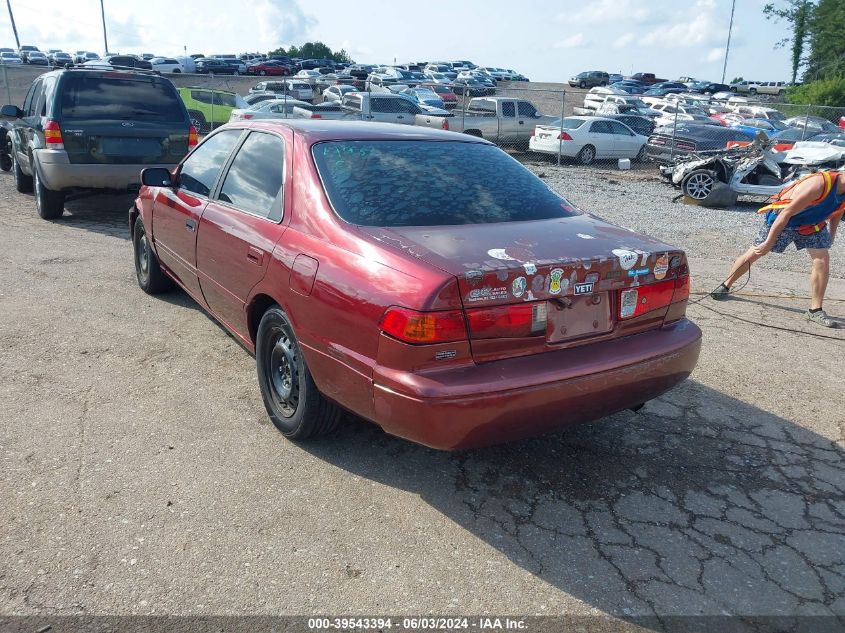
[209, 108]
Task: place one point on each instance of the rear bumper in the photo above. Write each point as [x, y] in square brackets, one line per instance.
[58, 173]
[554, 146]
[522, 397]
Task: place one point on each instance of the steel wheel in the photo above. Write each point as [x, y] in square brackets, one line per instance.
[699, 184]
[282, 367]
[142, 261]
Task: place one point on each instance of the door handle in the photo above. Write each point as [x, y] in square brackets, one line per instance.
[191, 224]
[522, 122]
[255, 255]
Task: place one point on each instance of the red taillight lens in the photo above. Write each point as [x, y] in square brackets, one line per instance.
[316, 116]
[193, 139]
[247, 116]
[509, 321]
[420, 328]
[564, 136]
[685, 146]
[53, 136]
[682, 286]
[445, 124]
[636, 301]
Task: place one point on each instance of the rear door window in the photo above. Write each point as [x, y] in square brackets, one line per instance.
[428, 183]
[87, 97]
[200, 170]
[254, 181]
[525, 109]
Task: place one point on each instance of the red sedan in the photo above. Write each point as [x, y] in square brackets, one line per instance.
[268, 68]
[423, 280]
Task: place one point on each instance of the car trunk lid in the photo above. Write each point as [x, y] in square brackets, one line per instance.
[560, 279]
[124, 142]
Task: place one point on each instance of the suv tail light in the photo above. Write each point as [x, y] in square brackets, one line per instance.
[508, 321]
[53, 136]
[193, 139]
[636, 301]
[421, 328]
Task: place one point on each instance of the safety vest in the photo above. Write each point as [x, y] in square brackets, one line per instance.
[814, 218]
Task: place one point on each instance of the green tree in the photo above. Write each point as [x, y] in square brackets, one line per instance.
[314, 50]
[826, 28]
[825, 92]
[736, 80]
[798, 13]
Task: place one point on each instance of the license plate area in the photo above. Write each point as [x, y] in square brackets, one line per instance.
[117, 146]
[577, 317]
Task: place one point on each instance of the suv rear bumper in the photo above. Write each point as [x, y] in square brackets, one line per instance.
[58, 173]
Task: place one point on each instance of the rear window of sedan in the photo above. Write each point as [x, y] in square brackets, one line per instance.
[430, 183]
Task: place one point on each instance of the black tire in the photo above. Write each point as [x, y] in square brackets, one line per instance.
[752, 91]
[582, 84]
[587, 155]
[699, 183]
[151, 278]
[176, 71]
[641, 155]
[198, 121]
[237, 72]
[733, 88]
[295, 405]
[6, 153]
[23, 183]
[262, 73]
[49, 204]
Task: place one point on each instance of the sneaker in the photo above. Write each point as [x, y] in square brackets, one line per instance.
[721, 293]
[820, 317]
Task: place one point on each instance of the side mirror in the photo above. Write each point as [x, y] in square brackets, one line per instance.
[11, 112]
[156, 177]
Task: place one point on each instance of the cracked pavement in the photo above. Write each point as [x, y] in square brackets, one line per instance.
[141, 476]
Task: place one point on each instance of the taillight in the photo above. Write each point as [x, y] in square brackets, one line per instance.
[682, 285]
[685, 146]
[53, 136]
[445, 124]
[564, 136]
[636, 301]
[420, 328]
[316, 116]
[508, 321]
[192, 137]
[247, 116]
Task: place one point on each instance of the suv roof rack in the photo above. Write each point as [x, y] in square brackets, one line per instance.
[107, 67]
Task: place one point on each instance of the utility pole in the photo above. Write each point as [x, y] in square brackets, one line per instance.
[14, 28]
[728, 47]
[105, 37]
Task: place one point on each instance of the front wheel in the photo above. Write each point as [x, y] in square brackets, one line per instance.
[50, 204]
[295, 405]
[583, 84]
[237, 72]
[6, 154]
[587, 155]
[698, 184]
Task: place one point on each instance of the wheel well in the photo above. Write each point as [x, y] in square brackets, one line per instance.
[473, 133]
[260, 304]
[133, 217]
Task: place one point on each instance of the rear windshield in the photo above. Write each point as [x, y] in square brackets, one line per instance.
[568, 124]
[428, 183]
[96, 97]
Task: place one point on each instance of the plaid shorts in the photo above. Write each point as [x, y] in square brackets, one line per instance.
[791, 235]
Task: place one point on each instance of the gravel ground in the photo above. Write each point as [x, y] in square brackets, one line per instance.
[139, 473]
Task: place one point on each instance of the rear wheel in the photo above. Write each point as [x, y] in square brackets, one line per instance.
[23, 183]
[698, 184]
[587, 155]
[237, 72]
[753, 91]
[50, 204]
[262, 72]
[151, 279]
[295, 405]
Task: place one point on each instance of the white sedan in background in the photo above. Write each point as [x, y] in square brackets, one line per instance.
[166, 65]
[588, 138]
[335, 93]
[272, 109]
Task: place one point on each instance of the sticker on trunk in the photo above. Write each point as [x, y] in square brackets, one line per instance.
[487, 294]
[557, 283]
[628, 303]
[627, 259]
[584, 289]
[638, 272]
[661, 267]
[518, 287]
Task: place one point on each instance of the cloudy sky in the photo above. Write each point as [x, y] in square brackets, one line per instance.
[546, 40]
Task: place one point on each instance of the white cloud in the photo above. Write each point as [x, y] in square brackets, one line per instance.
[573, 41]
[696, 26]
[604, 11]
[624, 40]
[715, 55]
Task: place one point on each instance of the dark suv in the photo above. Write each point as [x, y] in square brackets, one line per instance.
[94, 129]
[590, 79]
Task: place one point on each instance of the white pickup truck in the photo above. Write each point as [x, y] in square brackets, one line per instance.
[497, 119]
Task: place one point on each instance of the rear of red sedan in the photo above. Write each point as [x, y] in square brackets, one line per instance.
[545, 316]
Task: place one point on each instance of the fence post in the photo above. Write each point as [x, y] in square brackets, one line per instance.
[211, 123]
[464, 108]
[562, 109]
[674, 134]
[806, 121]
